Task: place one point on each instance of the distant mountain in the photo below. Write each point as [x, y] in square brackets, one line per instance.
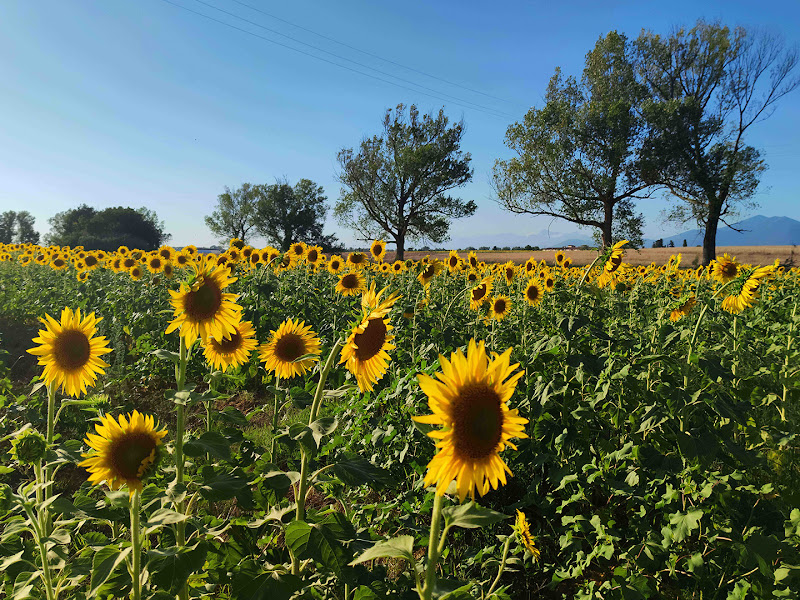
[543, 239]
[755, 231]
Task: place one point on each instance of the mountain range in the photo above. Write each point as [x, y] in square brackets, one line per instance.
[755, 231]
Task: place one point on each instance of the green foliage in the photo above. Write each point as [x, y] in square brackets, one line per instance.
[107, 229]
[235, 213]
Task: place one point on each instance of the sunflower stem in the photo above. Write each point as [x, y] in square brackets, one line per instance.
[136, 546]
[39, 535]
[300, 515]
[426, 593]
[501, 568]
[782, 409]
[180, 426]
[51, 425]
[272, 443]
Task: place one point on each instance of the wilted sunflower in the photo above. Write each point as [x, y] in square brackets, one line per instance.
[470, 402]
[289, 342]
[378, 250]
[125, 451]
[335, 264]
[682, 309]
[70, 352]
[365, 353]
[523, 532]
[351, 284]
[500, 307]
[202, 309]
[232, 351]
[534, 292]
[480, 293]
[725, 268]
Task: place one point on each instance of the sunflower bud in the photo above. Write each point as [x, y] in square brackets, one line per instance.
[28, 447]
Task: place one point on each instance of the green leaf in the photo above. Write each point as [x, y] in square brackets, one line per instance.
[319, 542]
[170, 569]
[211, 442]
[684, 524]
[104, 563]
[167, 355]
[264, 586]
[222, 486]
[397, 547]
[356, 470]
[471, 516]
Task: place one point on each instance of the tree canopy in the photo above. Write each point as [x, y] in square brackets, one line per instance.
[107, 229]
[396, 184]
[235, 213]
[286, 214]
[706, 87]
[17, 227]
[577, 156]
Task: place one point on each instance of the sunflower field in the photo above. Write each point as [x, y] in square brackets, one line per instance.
[258, 425]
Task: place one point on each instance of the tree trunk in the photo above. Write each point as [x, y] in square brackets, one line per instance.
[400, 242]
[710, 237]
[608, 219]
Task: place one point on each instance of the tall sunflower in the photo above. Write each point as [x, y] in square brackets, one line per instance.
[365, 353]
[534, 292]
[125, 451]
[70, 352]
[203, 309]
[378, 250]
[233, 351]
[470, 402]
[351, 284]
[314, 255]
[289, 342]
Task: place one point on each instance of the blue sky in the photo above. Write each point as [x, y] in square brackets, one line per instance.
[142, 103]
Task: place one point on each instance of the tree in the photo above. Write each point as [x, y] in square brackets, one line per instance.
[577, 156]
[396, 185]
[107, 229]
[286, 214]
[659, 243]
[17, 227]
[708, 86]
[235, 213]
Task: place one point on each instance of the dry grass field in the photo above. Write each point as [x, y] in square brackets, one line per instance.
[755, 255]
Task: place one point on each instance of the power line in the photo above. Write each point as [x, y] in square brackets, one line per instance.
[333, 54]
[397, 64]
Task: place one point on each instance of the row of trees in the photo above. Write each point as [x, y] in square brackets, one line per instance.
[107, 229]
[17, 228]
[658, 114]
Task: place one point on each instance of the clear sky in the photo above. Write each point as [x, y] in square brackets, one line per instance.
[142, 103]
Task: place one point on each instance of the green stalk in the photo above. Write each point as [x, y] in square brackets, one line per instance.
[38, 534]
[501, 568]
[272, 444]
[434, 549]
[300, 515]
[51, 425]
[180, 426]
[782, 409]
[136, 547]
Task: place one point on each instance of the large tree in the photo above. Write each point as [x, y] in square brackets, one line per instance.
[235, 213]
[17, 227]
[107, 229]
[708, 85]
[577, 156]
[397, 184]
[286, 214]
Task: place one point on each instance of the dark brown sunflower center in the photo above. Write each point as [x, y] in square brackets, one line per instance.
[165, 254]
[550, 282]
[533, 293]
[181, 259]
[729, 270]
[129, 262]
[313, 255]
[58, 262]
[500, 306]
[369, 343]
[472, 277]
[350, 281]
[356, 259]
[72, 350]
[429, 272]
[155, 263]
[377, 250]
[205, 302]
[453, 262]
[615, 261]
[335, 264]
[509, 273]
[91, 261]
[228, 345]
[479, 293]
[290, 347]
[128, 453]
[298, 249]
[477, 421]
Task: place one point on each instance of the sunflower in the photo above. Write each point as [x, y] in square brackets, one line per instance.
[453, 261]
[351, 284]
[289, 342]
[682, 309]
[155, 263]
[129, 262]
[480, 293]
[58, 263]
[549, 282]
[429, 271]
[534, 292]
[125, 451]
[560, 256]
[168, 269]
[523, 533]
[725, 269]
[136, 272]
[335, 264]
[398, 266]
[509, 271]
[357, 259]
[297, 251]
[70, 352]
[365, 353]
[500, 307]
[749, 292]
[567, 263]
[470, 402]
[191, 250]
[82, 276]
[314, 255]
[91, 261]
[233, 351]
[378, 250]
[166, 252]
[202, 309]
[123, 250]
